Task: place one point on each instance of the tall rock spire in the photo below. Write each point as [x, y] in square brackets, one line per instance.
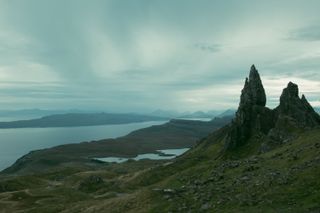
[257, 90]
[253, 92]
[253, 118]
[252, 115]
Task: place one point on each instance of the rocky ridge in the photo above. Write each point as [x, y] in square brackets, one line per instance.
[254, 118]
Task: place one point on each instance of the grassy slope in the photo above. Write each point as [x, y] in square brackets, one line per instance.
[59, 190]
[286, 179]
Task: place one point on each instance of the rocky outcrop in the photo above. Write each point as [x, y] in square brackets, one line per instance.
[253, 118]
[253, 92]
[299, 109]
[252, 115]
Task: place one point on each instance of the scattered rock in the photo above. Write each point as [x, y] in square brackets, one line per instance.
[91, 184]
[245, 178]
[169, 191]
[251, 168]
[205, 206]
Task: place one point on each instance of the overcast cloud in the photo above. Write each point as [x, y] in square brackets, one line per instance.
[142, 55]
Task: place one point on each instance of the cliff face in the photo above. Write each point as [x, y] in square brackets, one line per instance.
[252, 115]
[254, 118]
[253, 92]
[299, 109]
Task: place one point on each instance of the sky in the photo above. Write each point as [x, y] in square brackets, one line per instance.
[143, 55]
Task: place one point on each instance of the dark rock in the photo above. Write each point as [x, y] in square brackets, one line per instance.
[93, 180]
[298, 109]
[264, 148]
[255, 121]
[252, 116]
[256, 91]
[205, 206]
[274, 174]
[245, 178]
[91, 184]
[254, 160]
[295, 156]
[279, 134]
[250, 168]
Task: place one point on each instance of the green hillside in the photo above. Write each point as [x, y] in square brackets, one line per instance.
[264, 160]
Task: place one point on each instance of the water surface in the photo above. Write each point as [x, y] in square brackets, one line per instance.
[15, 143]
[165, 154]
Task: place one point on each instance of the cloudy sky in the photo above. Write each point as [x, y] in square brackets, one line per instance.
[142, 55]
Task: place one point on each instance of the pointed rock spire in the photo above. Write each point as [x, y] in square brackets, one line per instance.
[253, 118]
[252, 115]
[253, 92]
[253, 73]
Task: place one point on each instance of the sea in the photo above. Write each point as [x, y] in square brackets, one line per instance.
[14, 143]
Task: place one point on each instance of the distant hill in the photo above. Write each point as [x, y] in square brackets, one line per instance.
[80, 119]
[317, 109]
[24, 114]
[165, 113]
[174, 134]
[197, 114]
[229, 112]
[201, 114]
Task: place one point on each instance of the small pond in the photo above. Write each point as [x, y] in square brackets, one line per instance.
[164, 154]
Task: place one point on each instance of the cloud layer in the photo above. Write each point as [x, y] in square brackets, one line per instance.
[147, 54]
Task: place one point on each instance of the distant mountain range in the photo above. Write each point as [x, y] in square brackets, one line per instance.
[73, 117]
[198, 114]
[80, 119]
[24, 114]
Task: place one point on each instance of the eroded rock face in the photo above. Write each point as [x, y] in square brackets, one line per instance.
[252, 115]
[253, 118]
[299, 109]
[255, 88]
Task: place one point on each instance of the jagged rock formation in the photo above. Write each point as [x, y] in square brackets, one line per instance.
[253, 118]
[293, 106]
[253, 92]
[252, 115]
